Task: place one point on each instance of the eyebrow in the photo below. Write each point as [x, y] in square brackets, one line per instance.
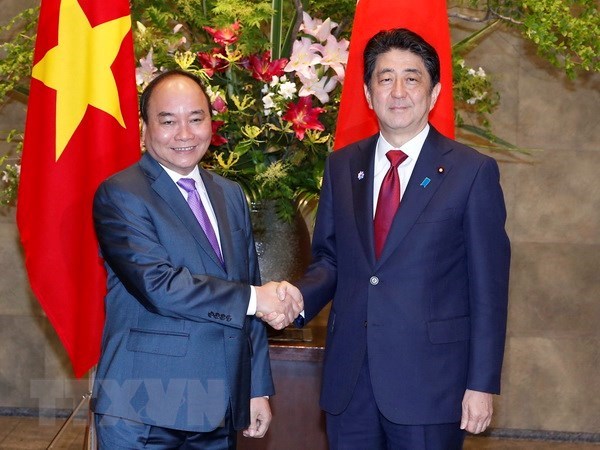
[390, 70]
[200, 112]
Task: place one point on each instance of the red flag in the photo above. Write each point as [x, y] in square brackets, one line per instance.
[82, 126]
[427, 18]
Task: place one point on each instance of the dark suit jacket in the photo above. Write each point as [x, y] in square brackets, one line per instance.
[431, 312]
[178, 349]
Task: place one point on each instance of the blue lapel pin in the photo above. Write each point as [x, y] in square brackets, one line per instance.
[425, 182]
[361, 175]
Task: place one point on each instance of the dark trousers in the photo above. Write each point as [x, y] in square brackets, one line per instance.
[361, 426]
[114, 433]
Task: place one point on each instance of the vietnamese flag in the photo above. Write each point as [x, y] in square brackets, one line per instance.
[82, 126]
[429, 19]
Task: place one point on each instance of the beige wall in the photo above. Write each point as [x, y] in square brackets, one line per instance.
[552, 363]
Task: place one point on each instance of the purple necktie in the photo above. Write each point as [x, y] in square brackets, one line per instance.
[388, 201]
[193, 199]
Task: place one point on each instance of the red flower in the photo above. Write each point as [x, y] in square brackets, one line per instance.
[303, 116]
[263, 69]
[225, 36]
[217, 139]
[212, 63]
[219, 105]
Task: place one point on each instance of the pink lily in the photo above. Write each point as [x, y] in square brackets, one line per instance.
[303, 57]
[145, 73]
[318, 88]
[316, 27]
[335, 55]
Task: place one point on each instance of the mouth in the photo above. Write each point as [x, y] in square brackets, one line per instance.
[184, 149]
[399, 108]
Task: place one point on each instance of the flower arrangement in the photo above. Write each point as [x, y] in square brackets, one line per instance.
[273, 118]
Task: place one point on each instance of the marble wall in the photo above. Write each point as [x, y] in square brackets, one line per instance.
[553, 198]
[550, 379]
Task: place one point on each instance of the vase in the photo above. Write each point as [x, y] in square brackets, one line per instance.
[283, 247]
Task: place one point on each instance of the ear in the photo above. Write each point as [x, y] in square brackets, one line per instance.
[435, 92]
[368, 96]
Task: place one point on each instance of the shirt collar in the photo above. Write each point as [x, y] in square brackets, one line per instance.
[195, 174]
[412, 148]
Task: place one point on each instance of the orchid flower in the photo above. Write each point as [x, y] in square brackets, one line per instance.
[287, 90]
[268, 103]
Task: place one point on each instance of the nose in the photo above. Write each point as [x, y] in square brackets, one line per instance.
[184, 133]
[398, 89]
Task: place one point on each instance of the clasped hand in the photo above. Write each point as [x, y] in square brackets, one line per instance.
[278, 304]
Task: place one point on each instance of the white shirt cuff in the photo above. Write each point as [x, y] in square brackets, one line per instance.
[252, 303]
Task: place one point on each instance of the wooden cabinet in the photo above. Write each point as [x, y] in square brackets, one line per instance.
[298, 422]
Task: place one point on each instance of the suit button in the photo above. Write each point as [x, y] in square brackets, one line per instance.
[365, 324]
[374, 281]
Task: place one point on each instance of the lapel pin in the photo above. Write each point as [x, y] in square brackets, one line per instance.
[425, 182]
[440, 170]
[361, 175]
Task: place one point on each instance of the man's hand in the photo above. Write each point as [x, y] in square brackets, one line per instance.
[260, 417]
[278, 305]
[291, 292]
[477, 409]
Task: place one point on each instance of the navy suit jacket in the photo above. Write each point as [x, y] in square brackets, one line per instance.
[431, 312]
[178, 349]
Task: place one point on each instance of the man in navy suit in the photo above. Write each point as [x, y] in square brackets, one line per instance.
[416, 332]
[184, 360]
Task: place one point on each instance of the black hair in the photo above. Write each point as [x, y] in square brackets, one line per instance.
[400, 39]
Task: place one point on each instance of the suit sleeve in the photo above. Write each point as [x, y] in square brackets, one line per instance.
[261, 378]
[319, 282]
[488, 256]
[130, 245]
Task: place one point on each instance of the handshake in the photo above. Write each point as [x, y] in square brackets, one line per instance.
[278, 304]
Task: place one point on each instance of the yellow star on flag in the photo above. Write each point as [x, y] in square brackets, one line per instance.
[79, 69]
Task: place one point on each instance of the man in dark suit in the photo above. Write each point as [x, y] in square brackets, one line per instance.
[412, 249]
[184, 362]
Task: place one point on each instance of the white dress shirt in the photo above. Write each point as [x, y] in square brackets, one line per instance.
[412, 149]
[195, 174]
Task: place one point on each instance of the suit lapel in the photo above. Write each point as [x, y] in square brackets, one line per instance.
[165, 188]
[219, 205]
[424, 182]
[361, 173]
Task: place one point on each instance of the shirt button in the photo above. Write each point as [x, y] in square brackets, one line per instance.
[374, 281]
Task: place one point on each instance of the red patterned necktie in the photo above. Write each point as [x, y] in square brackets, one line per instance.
[388, 201]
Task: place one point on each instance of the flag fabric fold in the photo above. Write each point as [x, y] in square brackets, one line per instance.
[428, 18]
[81, 127]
